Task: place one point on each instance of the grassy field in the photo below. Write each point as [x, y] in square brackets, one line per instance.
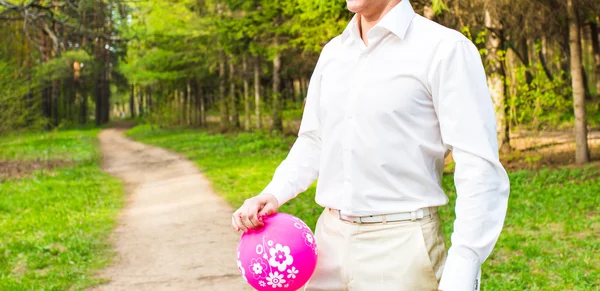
[54, 223]
[550, 241]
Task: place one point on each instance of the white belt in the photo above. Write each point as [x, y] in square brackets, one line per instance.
[385, 218]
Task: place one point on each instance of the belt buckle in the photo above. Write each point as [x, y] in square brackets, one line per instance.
[349, 220]
[339, 212]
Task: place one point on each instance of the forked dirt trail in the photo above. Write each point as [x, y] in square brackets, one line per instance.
[174, 233]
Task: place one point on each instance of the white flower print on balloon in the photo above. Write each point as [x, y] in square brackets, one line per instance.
[298, 220]
[280, 257]
[242, 270]
[262, 283]
[270, 243]
[292, 273]
[309, 240]
[258, 268]
[275, 280]
[265, 256]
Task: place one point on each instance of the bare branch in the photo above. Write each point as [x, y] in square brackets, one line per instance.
[53, 36]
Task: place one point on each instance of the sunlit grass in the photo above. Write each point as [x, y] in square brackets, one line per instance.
[54, 223]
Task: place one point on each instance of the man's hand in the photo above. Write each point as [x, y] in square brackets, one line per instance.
[250, 214]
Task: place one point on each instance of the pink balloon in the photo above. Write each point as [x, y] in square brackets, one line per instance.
[280, 256]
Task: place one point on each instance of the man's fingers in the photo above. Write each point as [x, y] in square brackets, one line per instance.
[238, 222]
[233, 223]
[268, 209]
[246, 221]
[250, 215]
[254, 220]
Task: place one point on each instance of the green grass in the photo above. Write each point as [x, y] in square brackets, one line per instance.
[54, 224]
[551, 238]
[71, 145]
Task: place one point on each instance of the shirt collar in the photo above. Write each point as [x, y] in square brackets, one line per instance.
[397, 21]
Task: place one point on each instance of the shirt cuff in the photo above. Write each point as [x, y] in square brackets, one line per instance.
[460, 274]
[282, 191]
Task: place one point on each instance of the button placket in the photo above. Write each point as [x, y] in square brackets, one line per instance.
[348, 125]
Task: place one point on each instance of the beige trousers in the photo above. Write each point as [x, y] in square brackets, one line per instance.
[406, 255]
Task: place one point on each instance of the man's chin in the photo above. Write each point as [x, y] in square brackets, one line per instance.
[353, 5]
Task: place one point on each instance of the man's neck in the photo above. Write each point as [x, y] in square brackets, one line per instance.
[367, 20]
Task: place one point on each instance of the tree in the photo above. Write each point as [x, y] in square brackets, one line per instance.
[581, 145]
[596, 51]
[496, 77]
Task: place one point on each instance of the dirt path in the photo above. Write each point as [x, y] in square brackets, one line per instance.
[174, 233]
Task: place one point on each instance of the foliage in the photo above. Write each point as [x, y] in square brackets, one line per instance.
[62, 67]
[156, 48]
[16, 111]
[45, 40]
[54, 224]
[541, 102]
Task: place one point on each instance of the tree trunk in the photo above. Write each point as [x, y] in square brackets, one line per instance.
[188, 103]
[54, 102]
[246, 93]
[257, 91]
[596, 50]
[84, 107]
[149, 98]
[141, 101]
[132, 102]
[107, 66]
[512, 89]
[277, 122]
[235, 117]
[195, 105]
[201, 105]
[428, 12]
[98, 98]
[581, 146]
[297, 91]
[528, 50]
[100, 52]
[222, 96]
[543, 52]
[496, 77]
[304, 86]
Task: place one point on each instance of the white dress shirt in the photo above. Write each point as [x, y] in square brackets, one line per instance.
[378, 122]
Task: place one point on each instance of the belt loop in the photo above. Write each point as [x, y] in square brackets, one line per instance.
[413, 216]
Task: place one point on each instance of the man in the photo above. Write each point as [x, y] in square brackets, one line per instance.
[388, 99]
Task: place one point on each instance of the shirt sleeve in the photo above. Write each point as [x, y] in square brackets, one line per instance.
[301, 167]
[468, 128]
